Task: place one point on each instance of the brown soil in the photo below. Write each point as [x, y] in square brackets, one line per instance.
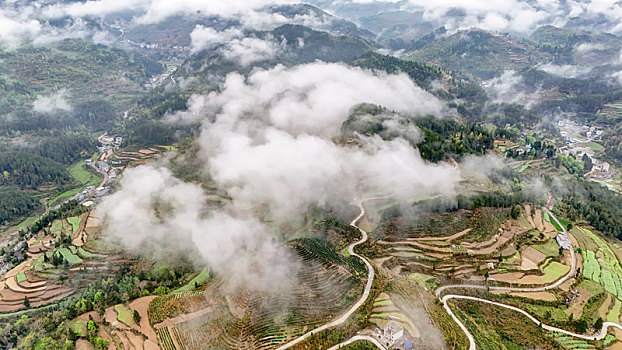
[566, 285]
[546, 296]
[80, 236]
[110, 315]
[603, 310]
[142, 305]
[531, 258]
[13, 285]
[528, 215]
[537, 220]
[576, 308]
[447, 238]
[87, 316]
[82, 344]
[182, 318]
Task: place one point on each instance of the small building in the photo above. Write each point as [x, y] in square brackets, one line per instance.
[408, 345]
[563, 241]
[605, 167]
[393, 332]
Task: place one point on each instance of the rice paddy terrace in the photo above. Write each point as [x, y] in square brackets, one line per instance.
[205, 313]
[486, 244]
[523, 268]
[65, 256]
[62, 258]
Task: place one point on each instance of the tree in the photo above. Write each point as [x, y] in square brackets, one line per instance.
[599, 323]
[27, 302]
[515, 213]
[582, 326]
[587, 163]
[136, 316]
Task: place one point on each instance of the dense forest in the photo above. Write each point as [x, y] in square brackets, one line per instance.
[15, 203]
[595, 203]
[421, 73]
[30, 171]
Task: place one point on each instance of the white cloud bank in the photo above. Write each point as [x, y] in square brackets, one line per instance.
[49, 104]
[234, 45]
[21, 21]
[269, 141]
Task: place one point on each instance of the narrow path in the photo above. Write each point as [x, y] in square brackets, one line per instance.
[370, 280]
[570, 274]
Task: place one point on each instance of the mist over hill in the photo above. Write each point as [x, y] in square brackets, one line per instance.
[276, 174]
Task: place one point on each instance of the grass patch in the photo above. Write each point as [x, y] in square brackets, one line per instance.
[88, 255]
[568, 342]
[75, 222]
[124, 314]
[614, 314]
[57, 227]
[27, 224]
[602, 265]
[524, 166]
[81, 175]
[549, 248]
[556, 225]
[591, 287]
[79, 327]
[21, 277]
[595, 146]
[69, 256]
[585, 242]
[200, 278]
[554, 271]
[170, 148]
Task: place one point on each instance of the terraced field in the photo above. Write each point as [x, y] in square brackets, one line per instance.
[327, 284]
[463, 256]
[571, 343]
[602, 265]
[385, 310]
[40, 280]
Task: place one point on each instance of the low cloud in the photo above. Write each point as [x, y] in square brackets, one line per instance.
[162, 211]
[589, 47]
[510, 88]
[269, 141]
[54, 103]
[565, 71]
[515, 16]
[233, 45]
[16, 28]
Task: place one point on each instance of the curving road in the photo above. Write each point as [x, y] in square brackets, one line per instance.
[598, 336]
[571, 273]
[370, 280]
[359, 338]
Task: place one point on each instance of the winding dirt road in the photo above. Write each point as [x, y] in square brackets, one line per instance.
[359, 338]
[571, 273]
[366, 291]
